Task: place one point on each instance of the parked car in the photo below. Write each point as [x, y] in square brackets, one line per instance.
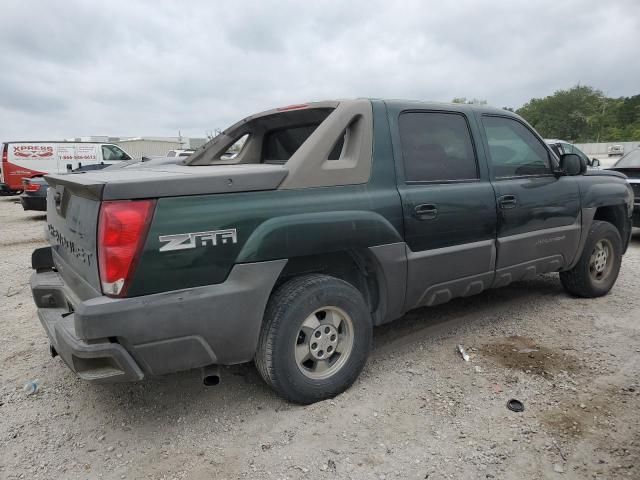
[562, 147]
[35, 158]
[332, 218]
[34, 194]
[179, 153]
[630, 166]
[613, 150]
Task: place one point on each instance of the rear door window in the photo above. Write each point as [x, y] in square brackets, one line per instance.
[437, 147]
[514, 151]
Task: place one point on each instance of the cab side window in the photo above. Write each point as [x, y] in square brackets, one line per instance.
[514, 151]
[113, 153]
[437, 147]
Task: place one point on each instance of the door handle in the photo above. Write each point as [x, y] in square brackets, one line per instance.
[425, 211]
[508, 201]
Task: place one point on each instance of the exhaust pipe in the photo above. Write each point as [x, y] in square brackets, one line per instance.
[210, 375]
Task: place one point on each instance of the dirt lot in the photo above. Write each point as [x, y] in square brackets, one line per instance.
[418, 410]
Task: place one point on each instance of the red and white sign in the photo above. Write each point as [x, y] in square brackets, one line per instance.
[32, 151]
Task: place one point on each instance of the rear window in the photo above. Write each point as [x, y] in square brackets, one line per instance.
[280, 145]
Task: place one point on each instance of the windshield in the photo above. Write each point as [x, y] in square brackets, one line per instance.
[630, 160]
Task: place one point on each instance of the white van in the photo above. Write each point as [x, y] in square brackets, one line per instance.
[30, 159]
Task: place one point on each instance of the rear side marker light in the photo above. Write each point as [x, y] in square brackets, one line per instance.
[122, 231]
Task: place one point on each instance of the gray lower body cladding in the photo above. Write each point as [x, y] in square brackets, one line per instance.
[108, 340]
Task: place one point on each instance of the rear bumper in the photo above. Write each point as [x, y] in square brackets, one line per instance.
[33, 203]
[106, 340]
[102, 362]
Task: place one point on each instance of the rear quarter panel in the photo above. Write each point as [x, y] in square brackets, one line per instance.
[269, 226]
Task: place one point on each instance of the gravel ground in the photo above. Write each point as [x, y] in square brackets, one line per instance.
[418, 410]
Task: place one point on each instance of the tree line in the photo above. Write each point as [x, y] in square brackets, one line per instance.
[581, 114]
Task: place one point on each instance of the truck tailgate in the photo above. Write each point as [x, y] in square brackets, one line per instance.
[72, 223]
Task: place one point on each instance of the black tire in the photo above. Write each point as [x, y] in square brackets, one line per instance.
[289, 307]
[581, 280]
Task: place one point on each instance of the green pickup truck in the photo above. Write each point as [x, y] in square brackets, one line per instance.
[289, 236]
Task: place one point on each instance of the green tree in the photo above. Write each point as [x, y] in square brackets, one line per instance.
[580, 114]
[628, 112]
[576, 114]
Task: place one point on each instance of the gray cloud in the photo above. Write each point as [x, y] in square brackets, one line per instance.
[151, 68]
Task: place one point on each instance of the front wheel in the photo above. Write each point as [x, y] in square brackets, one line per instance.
[315, 338]
[599, 265]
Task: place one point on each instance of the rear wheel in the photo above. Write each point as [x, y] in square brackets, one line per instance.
[315, 338]
[597, 270]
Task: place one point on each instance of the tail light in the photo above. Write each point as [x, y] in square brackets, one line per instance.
[122, 231]
[31, 187]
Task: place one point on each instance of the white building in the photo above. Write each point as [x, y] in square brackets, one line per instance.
[138, 147]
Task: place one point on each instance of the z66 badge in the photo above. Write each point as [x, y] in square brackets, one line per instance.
[184, 241]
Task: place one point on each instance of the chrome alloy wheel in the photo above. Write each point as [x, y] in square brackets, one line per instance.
[601, 261]
[324, 342]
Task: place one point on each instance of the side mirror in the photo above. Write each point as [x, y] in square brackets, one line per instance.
[595, 162]
[572, 164]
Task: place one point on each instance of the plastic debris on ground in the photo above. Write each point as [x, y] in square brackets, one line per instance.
[465, 355]
[32, 387]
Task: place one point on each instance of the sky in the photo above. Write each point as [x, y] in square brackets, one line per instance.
[138, 68]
